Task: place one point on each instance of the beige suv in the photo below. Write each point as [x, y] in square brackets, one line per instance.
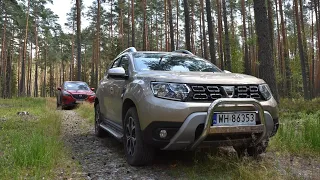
[178, 101]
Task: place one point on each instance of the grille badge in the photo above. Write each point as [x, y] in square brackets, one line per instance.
[229, 90]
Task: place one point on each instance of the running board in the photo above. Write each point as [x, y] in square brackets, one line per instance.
[112, 131]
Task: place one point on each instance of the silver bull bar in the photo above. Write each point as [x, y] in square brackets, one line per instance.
[208, 129]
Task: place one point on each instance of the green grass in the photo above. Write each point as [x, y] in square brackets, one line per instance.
[30, 145]
[86, 110]
[299, 128]
[212, 165]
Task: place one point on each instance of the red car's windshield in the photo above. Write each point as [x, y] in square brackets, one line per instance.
[76, 86]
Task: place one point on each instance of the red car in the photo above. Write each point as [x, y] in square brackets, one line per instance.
[72, 93]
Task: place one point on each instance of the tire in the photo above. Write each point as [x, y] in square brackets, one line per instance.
[99, 132]
[241, 151]
[137, 152]
[260, 148]
[253, 151]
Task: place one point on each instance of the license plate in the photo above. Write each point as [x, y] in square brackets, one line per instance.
[234, 119]
[79, 101]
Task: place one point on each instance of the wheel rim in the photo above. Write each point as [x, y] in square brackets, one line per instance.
[97, 120]
[130, 136]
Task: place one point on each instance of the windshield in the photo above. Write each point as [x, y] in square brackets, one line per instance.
[169, 62]
[76, 86]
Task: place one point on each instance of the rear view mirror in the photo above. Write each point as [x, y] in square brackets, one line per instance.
[92, 89]
[59, 88]
[226, 71]
[118, 72]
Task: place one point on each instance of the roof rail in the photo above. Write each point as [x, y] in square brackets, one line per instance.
[183, 51]
[130, 49]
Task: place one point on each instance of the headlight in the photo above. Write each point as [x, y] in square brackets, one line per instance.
[65, 93]
[171, 91]
[265, 91]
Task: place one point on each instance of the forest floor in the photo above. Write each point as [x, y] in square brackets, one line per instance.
[81, 155]
[104, 158]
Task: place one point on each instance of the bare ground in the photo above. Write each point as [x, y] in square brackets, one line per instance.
[104, 158]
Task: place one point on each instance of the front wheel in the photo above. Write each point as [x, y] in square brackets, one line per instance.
[253, 151]
[137, 152]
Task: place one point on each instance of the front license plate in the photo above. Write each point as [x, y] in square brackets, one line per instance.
[79, 101]
[234, 119]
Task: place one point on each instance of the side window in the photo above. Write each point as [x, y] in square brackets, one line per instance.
[115, 63]
[125, 64]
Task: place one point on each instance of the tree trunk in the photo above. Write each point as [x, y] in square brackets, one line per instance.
[3, 66]
[171, 26]
[111, 21]
[72, 53]
[144, 48]
[204, 36]
[192, 28]
[312, 74]
[285, 52]
[303, 54]
[29, 72]
[210, 30]
[166, 25]
[132, 23]
[247, 64]
[187, 24]
[22, 90]
[226, 36]
[271, 26]
[96, 49]
[317, 78]
[266, 68]
[121, 38]
[157, 37]
[177, 43]
[44, 88]
[8, 80]
[221, 64]
[78, 39]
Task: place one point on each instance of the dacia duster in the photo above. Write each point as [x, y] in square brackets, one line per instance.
[179, 101]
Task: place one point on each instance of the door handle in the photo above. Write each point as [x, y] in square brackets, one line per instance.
[111, 90]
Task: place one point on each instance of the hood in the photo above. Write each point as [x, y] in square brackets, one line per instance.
[79, 91]
[199, 77]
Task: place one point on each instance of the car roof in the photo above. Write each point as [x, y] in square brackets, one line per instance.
[75, 82]
[132, 50]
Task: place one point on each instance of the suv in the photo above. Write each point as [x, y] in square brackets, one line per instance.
[178, 101]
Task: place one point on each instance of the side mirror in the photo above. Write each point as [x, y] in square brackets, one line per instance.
[59, 88]
[118, 72]
[92, 89]
[226, 71]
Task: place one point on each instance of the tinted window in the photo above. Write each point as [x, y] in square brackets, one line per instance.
[172, 62]
[116, 63]
[76, 86]
[125, 64]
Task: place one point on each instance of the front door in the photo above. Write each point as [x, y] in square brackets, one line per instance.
[119, 87]
[107, 93]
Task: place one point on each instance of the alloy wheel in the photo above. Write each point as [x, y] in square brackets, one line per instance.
[130, 136]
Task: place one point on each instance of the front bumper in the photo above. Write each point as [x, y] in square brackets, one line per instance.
[196, 130]
[71, 101]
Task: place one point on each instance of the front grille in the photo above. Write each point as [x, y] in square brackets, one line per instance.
[213, 92]
[80, 96]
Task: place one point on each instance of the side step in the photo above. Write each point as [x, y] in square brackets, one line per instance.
[113, 132]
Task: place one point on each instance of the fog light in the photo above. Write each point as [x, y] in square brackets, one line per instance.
[163, 134]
